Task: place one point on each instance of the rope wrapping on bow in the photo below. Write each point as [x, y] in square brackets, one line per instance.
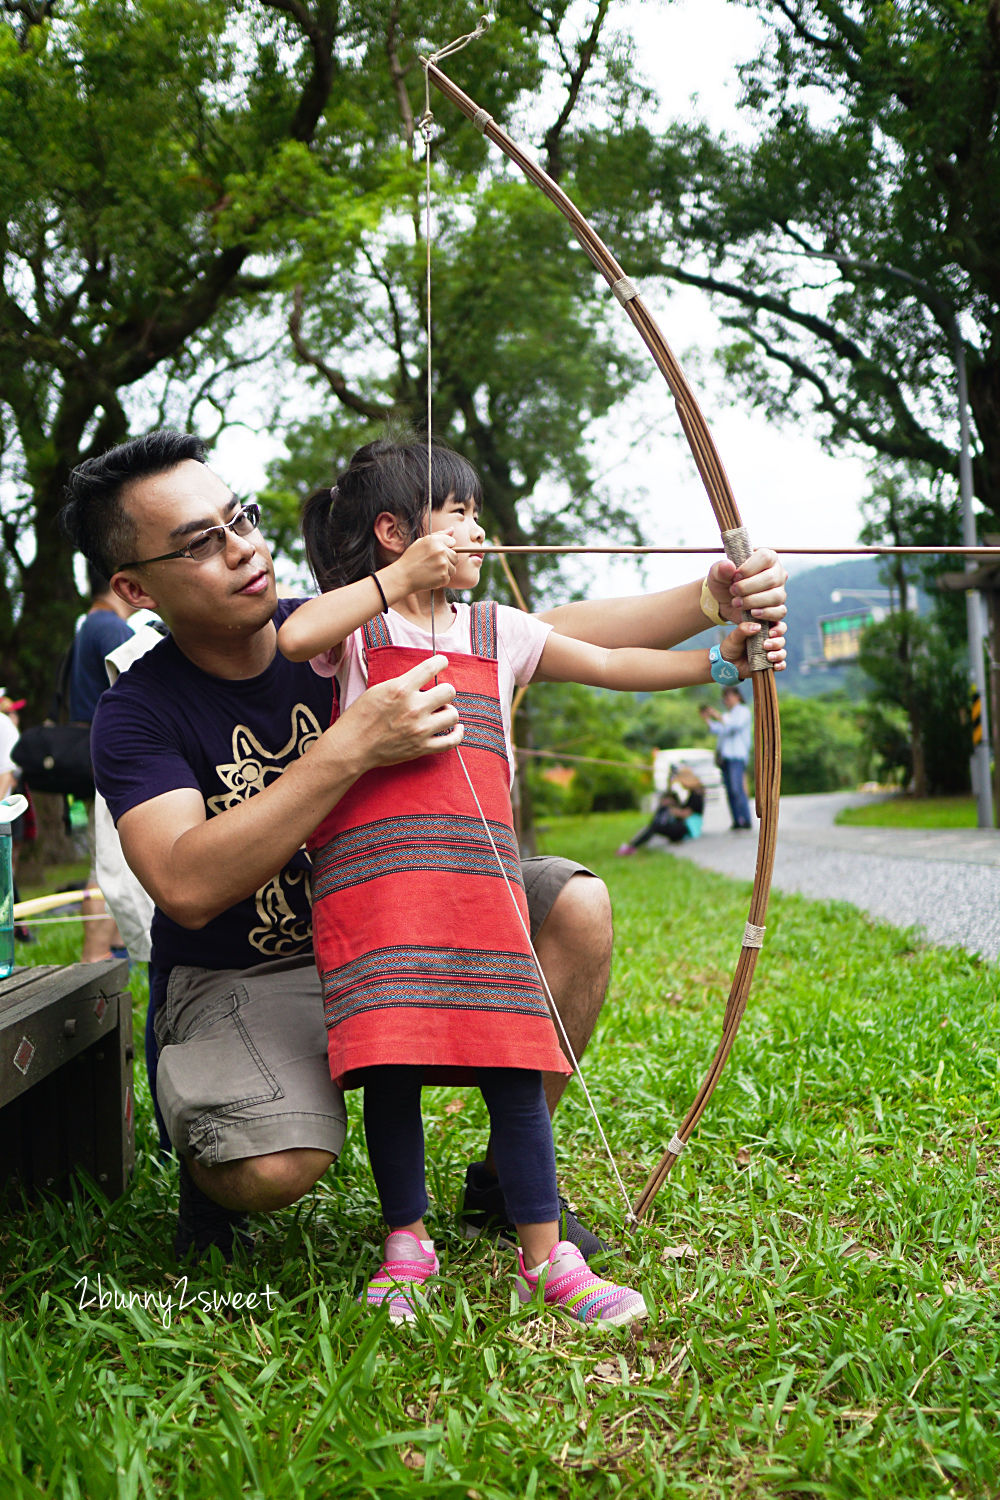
[767, 740]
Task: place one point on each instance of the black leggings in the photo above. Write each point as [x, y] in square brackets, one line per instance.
[674, 829]
[521, 1132]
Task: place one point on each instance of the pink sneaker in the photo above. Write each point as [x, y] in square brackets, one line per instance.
[570, 1286]
[625, 849]
[406, 1267]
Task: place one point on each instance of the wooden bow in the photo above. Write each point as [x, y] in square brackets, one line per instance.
[767, 752]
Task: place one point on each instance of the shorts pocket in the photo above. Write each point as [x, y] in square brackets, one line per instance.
[191, 1005]
[211, 1071]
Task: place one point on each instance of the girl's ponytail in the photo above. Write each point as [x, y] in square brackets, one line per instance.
[338, 524]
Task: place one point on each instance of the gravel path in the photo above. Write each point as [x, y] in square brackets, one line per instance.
[945, 881]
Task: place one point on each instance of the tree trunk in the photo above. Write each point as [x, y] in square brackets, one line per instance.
[53, 846]
[984, 398]
[919, 759]
[44, 630]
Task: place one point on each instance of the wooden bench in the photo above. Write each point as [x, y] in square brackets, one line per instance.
[66, 1087]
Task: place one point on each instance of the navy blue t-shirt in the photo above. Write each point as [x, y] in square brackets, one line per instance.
[102, 630]
[165, 725]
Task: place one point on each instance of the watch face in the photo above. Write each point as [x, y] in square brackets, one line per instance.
[723, 672]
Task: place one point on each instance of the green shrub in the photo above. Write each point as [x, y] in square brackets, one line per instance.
[821, 744]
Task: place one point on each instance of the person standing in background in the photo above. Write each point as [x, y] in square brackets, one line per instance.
[104, 628]
[23, 828]
[733, 731]
[9, 732]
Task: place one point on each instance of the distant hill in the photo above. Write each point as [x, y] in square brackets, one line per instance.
[808, 601]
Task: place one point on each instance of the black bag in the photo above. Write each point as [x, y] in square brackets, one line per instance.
[55, 757]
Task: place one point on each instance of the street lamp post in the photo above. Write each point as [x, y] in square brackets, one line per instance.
[981, 782]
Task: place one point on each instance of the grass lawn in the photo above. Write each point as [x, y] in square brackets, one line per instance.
[821, 1265]
[913, 812]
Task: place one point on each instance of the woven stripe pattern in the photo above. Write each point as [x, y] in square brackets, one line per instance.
[425, 978]
[406, 1268]
[482, 724]
[435, 843]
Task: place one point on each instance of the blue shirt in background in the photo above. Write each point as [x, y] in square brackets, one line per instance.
[102, 631]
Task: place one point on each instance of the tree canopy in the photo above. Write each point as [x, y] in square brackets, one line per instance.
[120, 128]
[191, 188]
[854, 232]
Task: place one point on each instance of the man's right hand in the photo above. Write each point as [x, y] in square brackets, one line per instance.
[401, 719]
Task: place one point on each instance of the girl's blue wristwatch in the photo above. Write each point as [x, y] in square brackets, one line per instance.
[723, 672]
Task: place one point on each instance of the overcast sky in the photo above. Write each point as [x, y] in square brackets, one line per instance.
[788, 491]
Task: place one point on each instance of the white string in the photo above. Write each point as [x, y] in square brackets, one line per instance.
[425, 124]
[574, 1061]
[482, 27]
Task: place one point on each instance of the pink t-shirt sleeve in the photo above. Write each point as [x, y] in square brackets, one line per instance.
[327, 664]
[347, 664]
[522, 640]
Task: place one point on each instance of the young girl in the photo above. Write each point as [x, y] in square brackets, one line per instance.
[420, 930]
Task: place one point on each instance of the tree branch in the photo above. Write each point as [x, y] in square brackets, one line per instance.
[905, 440]
[320, 31]
[841, 343]
[910, 438]
[798, 25]
[374, 410]
[32, 13]
[552, 140]
[205, 391]
[398, 73]
[403, 376]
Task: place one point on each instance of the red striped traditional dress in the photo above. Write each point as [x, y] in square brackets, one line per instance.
[419, 949]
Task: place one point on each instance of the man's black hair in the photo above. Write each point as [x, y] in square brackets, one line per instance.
[97, 584]
[94, 516]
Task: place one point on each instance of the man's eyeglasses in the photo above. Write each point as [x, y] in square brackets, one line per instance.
[207, 543]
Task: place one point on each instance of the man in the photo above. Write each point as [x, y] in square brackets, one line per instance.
[9, 732]
[214, 757]
[22, 828]
[733, 730]
[102, 630]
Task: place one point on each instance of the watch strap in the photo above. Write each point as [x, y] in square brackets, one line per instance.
[725, 673]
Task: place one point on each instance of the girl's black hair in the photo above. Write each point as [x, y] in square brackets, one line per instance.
[338, 524]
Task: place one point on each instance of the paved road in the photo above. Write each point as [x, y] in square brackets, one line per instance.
[946, 881]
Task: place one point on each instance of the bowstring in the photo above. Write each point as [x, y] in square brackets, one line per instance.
[425, 126]
[573, 1060]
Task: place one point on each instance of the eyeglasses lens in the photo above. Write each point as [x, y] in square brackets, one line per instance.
[211, 542]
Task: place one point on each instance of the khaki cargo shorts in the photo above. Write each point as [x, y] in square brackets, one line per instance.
[242, 1065]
